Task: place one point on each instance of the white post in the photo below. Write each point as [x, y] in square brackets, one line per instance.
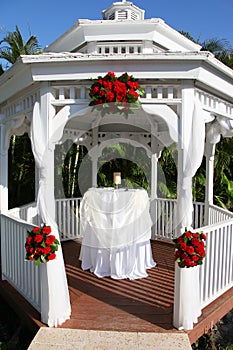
[154, 176]
[209, 153]
[94, 169]
[47, 113]
[94, 155]
[153, 191]
[3, 172]
[182, 316]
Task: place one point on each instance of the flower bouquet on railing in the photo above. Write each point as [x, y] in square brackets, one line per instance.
[40, 245]
[111, 94]
[190, 249]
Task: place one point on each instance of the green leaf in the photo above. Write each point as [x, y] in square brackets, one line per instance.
[37, 262]
[44, 260]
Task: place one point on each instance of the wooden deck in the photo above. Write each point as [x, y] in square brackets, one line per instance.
[103, 303]
[144, 305]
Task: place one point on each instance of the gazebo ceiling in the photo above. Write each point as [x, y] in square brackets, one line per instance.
[133, 125]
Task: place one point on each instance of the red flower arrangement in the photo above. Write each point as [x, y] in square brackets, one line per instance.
[41, 245]
[190, 249]
[115, 95]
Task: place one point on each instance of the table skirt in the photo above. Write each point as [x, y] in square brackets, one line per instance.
[129, 262]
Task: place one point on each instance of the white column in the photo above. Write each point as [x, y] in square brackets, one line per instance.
[153, 192]
[209, 153]
[3, 172]
[94, 153]
[184, 183]
[183, 314]
[154, 176]
[94, 169]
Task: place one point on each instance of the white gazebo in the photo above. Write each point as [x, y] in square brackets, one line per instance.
[188, 101]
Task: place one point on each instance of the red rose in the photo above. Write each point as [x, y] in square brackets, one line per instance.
[46, 230]
[111, 74]
[31, 257]
[195, 242]
[36, 229]
[183, 246]
[40, 251]
[52, 256]
[133, 93]
[189, 249]
[110, 97]
[195, 258]
[47, 250]
[50, 239]
[38, 238]
[180, 239]
[95, 89]
[195, 235]
[29, 240]
[188, 234]
[201, 251]
[119, 88]
[107, 85]
[133, 85]
[203, 236]
[29, 249]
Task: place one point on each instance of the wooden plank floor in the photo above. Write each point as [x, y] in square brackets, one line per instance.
[105, 304]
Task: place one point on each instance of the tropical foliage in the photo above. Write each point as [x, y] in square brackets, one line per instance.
[221, 48]
[13, 45]
[21, 171]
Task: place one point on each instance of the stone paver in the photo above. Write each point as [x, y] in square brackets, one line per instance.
[75, 339]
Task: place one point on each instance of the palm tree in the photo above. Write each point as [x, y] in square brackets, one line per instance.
[13, 46]
[221, 48]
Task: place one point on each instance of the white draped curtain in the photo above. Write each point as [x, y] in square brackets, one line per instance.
[193, 141]
[55, 301]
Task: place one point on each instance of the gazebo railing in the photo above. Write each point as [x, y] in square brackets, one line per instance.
[27, 212]
[67, 218]
[163, 213]
[217, 214]
[23, 276]
[216, 273]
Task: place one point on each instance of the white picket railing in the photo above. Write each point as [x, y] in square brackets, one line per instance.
[217, 214]
[21, 274]
[27, 212]
[163, 213]
[67, 218]
[216, 273]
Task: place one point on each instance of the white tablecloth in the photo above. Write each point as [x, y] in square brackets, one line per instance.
[116, 230]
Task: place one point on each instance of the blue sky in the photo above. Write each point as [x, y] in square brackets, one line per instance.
[48, 19]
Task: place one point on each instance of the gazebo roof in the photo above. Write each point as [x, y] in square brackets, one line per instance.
[83, 31]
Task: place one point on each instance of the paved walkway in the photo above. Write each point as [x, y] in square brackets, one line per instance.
[73, 339]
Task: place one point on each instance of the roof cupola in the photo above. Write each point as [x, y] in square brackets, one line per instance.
[123, 10]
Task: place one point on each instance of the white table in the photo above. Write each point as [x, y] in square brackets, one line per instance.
[116, 230]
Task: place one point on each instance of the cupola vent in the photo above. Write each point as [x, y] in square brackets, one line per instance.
[124, 10]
